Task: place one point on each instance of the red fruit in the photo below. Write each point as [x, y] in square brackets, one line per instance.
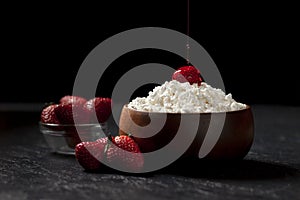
[68, 113]
[72, 99]
[74, 136]
[48, 115]
[102, 107]
[89, 154]
[116, 156]
[187, 74]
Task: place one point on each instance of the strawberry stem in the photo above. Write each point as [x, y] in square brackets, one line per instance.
[109, 136]
[129, 134]
[109, 142]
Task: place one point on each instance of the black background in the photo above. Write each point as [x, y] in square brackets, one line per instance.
[254, 46]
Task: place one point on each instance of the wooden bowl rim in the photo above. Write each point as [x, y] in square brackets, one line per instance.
[248, 108]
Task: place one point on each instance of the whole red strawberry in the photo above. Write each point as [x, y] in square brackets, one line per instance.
[48, 115]
[89, 154]
[187, 74]
[131, 159]
[69, 113]
[72, 99]
[102, 107]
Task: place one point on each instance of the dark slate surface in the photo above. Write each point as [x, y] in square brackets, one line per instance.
[271, 170]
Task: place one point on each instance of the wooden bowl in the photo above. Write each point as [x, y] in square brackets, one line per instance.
[234, 142]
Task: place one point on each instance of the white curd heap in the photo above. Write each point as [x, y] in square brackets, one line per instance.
[176, 97]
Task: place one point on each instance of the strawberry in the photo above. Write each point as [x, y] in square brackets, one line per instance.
[72, 137]
[69, 113]
[116, 156]
[75, 135]
[102, 107]
[89, 154]
[187, 74]
[48, 115]
[72, 99]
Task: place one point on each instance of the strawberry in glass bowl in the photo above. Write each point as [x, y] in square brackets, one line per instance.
[74, 119]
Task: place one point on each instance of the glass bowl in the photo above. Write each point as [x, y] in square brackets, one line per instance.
[63, 138]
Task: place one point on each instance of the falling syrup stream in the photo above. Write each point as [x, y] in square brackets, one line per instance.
[188, 33]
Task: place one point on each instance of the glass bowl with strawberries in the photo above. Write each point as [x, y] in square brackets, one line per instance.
[72, 120]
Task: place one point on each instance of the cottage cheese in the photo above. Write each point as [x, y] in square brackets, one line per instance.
[176, 97]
